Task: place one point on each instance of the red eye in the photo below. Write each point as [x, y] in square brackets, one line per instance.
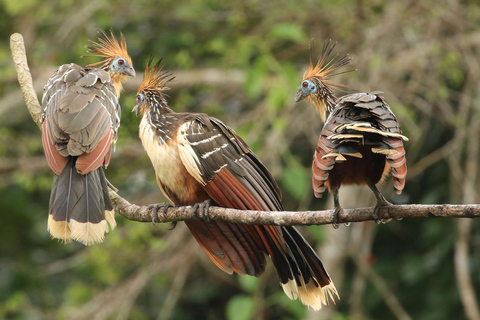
[305, 84]
[121, 62]
[139, 98]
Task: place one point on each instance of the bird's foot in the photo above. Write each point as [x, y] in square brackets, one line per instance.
[160, 206]
[202, 208]
[376, 210]
[335, 215]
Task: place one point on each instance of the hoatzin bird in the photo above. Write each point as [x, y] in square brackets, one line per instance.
[81, 116]
[361, 140]
[199, 159]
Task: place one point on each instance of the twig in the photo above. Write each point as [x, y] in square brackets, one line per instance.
[178, 283]
[142, 214]
[462, 270]
[469, 194]
[381, 285]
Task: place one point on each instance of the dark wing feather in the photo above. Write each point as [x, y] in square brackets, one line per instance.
[360, 119]
[234, 177]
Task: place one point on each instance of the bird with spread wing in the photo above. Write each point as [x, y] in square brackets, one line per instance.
[361, 140]
[197, 158]
[81, 117]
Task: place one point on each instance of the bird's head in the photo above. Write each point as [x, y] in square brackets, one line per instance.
[151, 92]
[115, 56]
[316, 86]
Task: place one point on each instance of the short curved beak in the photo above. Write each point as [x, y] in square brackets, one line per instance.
[299, 96]
[129, 71]
[136, 109]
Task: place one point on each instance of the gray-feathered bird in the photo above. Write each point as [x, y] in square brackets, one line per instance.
[81, 117]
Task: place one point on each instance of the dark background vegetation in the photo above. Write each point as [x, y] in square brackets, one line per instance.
[242, 61]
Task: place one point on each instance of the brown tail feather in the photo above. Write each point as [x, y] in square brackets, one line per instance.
[313, 285]
[209, 244]
[300, 270]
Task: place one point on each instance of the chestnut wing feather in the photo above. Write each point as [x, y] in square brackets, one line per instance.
[233, 177]
[359, 119]
[82, 115]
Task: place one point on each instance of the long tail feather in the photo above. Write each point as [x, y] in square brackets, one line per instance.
[315, 287]
[78, 205]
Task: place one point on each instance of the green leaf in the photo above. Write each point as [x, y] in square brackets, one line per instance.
[295, 179]
[248, 284]
[254, 85]
[288, 31]
[78, 292]
[240, 308]
[15, 7]
[277, 97]
[15, 302]
[293, 309]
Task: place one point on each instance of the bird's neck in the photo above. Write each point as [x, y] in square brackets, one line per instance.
[118, 80]
[162, 120]
[325, 103]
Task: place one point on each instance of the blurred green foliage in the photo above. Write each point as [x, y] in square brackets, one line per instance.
[423, 55]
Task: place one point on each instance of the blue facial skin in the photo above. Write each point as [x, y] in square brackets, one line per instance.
[118, 65]
[308, 87]
[121, 66]
[140, 100]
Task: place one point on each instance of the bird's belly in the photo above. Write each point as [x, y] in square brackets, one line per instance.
[172, 177]
[358, 170]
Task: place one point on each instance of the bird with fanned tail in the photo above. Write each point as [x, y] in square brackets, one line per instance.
[81, 117]
[361, 140]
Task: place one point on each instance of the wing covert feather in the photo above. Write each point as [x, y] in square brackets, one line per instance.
[81, 112]
[360, 119]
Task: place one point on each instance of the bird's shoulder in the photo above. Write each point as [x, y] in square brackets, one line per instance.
[78, 79]
[363, 107]
[200, 128]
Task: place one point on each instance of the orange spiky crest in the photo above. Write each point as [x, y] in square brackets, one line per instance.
[320, 73]
[153, 87]
[154, 79]
[109, 48]
[325, 67]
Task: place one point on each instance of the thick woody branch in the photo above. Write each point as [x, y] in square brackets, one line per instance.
[17, 46]
[144, 214]
[287, 218]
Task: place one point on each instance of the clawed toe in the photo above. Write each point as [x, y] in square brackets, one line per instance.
[154, 208]
[157, 206]
[381, 202]
[335, 215]
[376, 210]
[202, 209]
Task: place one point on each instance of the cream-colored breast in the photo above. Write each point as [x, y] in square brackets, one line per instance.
[164, 157]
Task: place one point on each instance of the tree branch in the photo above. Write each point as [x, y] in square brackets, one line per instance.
[287, 218]
[17, 46]
[144, 214]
